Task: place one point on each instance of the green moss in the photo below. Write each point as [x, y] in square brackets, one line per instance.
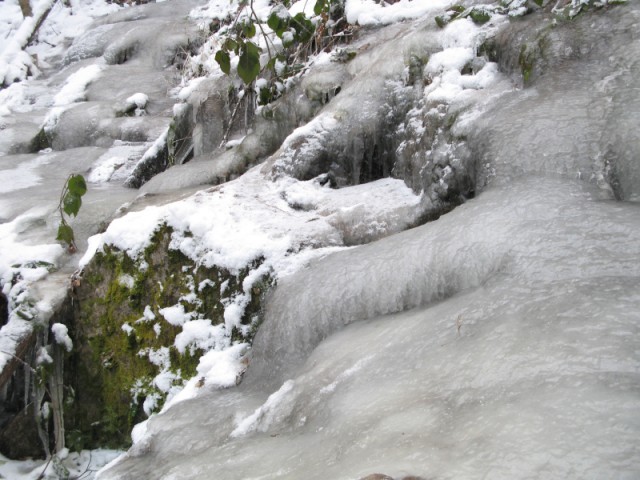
[526, 61]
[441, 21]
[415, 65]
[489, 49]
[39, 142]
[479, 17]
[110, 377]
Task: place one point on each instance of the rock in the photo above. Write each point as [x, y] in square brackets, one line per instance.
[19, 439]
[4, 312]
[117, 316]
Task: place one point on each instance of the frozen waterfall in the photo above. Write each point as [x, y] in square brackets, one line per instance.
[450, 219]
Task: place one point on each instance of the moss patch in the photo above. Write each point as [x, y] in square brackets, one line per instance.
[108, 375]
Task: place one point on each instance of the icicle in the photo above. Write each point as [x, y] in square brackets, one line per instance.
[39, 390]
[56, 390]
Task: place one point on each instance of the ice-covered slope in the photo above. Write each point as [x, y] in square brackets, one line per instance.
[523, 365]
[494, 342]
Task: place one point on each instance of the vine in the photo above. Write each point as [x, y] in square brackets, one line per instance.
[267, 53]
[296, 35]
[70, 202]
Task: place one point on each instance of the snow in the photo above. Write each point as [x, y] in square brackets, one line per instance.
[126, 328]
[214, 9]
[12, 333]
[216, 369]
[369, 12]
[61, 334]
[132, 237]
[74, 90]
[449, 59]
[175, 315]
[460, 40]
[249, 219]
[15, 63]
[43, 357]
[82, 465]
[19, 98]
[140, 100]
[76, 85]
[61, 25]
[148, 313]
[20, 267]
[198, 334]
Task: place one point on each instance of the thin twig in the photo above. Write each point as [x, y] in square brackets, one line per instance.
[86, 470]
[225, 137]
[41, 476]
[33, 370]
[266, 38]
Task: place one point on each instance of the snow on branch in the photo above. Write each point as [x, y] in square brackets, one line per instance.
[15, 63]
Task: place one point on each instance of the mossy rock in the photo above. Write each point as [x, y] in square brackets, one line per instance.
[106, 364]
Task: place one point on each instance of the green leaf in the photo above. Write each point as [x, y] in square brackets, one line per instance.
[65, 234]
[224, 61]
[319, 6]
[278, 21]
[77, 185]
[230, 45]
[71, 204]
[304, 28]
[249, 29]
[249, 64]
[271, 64]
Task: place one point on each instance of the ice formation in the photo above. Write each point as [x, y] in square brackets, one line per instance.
[495, 340]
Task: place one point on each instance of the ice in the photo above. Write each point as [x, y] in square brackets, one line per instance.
[266, 415]
[583, 105]
[22, 176]
[520, 340]
[505, 304]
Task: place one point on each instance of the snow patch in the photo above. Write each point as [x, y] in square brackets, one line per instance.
[61, 334]
[371, 13]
